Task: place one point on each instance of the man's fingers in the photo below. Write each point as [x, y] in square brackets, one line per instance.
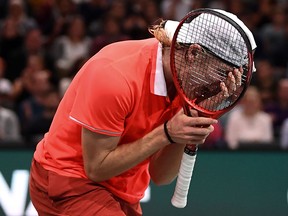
[224, 90]
[238, 76]
[200, 121]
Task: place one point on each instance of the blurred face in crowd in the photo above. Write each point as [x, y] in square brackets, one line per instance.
[251, 101]
[16, 9]
[41, 82]
[264, 69]
[9, 30]
[35, 63]
[77, 28]
[65, 7]
[34, 41]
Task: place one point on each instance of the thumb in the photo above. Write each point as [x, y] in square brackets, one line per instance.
[193, 112]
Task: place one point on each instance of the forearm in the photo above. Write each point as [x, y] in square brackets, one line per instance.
[164, 165]
[125, 156]
[104, 158]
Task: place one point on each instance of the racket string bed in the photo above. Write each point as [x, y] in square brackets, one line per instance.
[212, 74]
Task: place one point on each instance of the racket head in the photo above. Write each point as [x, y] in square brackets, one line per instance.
[206, 45]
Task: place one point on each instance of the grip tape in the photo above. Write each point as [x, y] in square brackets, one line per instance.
[179, 198]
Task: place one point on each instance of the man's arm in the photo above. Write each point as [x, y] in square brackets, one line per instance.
[104, 158]
[165, 164]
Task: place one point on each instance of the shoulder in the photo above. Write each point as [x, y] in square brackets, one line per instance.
[129, 47]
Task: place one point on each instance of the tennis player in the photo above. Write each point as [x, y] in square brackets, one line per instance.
[119, 125]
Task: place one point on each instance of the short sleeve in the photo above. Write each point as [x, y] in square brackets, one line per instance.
[102, 100]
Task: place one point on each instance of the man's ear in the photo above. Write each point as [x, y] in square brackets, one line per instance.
[192, 52]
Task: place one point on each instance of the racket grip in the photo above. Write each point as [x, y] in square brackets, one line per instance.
[179, 199]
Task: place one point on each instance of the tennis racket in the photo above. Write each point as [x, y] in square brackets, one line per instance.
[212, 63]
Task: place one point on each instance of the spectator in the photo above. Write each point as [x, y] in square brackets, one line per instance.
[93, 12]
[33, 107]
[174, 9]
[265, 11]
[5, 87]
[3, 9]
[43, 12]
[23, 85]
[279, 109]
[135, 25]
[151, 11]
[284, 135]
[236, 6]
[17, 13]
[266, 81]
[111, 32]
[283, 52]
[9, 126]
[34, 45]
[71, 46]
[39, 125]
[63, 12]
[18, 49]
[11, 43]
[118, 10]
[273, 35]
[64, 82]
[248, 123]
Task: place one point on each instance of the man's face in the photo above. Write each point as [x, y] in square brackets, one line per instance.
[201, 66]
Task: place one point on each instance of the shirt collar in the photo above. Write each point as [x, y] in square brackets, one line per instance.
[158, 87]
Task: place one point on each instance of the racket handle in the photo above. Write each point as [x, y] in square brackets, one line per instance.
[179, 199]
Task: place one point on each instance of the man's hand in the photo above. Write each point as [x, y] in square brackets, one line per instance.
[185, 129]
[228, 87]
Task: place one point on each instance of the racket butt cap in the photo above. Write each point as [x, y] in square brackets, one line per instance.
[178, 202]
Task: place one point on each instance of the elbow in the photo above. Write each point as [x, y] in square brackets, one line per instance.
[91, 176]
[161, 178]
[162, 181]
[94, 175]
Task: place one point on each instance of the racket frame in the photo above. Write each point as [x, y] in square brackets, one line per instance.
[179, 198]
[187, 103]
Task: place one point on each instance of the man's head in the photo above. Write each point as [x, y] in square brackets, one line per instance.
[216, 34]
[219, 41]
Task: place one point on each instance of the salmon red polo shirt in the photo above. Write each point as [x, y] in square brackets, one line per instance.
[120, 91]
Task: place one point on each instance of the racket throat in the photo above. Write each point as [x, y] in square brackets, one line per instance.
[191, 149]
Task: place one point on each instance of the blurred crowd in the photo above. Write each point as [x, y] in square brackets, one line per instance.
[43, 43]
